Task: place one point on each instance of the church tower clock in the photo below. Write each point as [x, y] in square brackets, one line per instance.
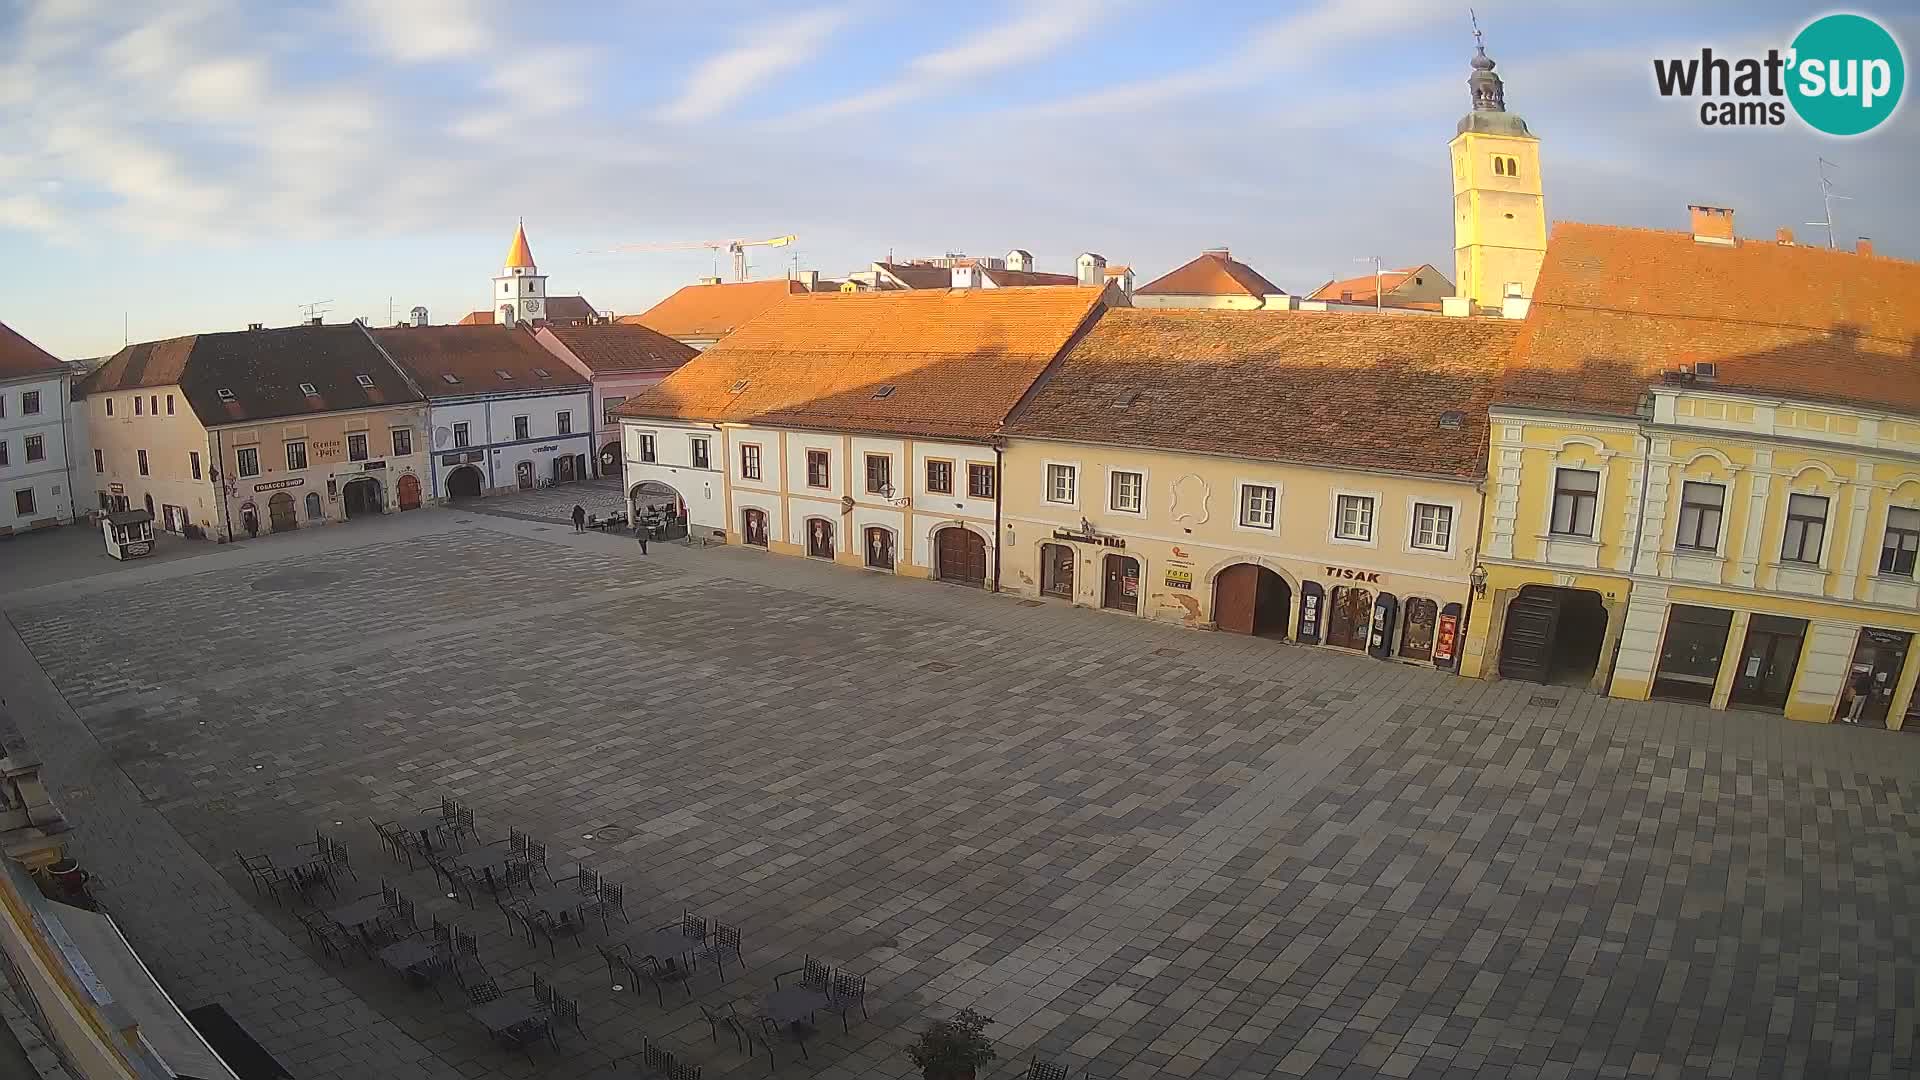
[520, 291]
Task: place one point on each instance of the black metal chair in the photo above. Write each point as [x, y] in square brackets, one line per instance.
[648, 971]
[725, 939]
[562, 1009]
[719, 1020]
[772, 1030]
[619, 959]
[814, 975]
[325, 933]
[262, 872]
[692, 927]
[536, 859]
[1045, 1070]
[846, 991]
[613, 897]
[338, 859]
[533, 1023]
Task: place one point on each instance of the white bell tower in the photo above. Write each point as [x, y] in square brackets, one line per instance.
[520, 292]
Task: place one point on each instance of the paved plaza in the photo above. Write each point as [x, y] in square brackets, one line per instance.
[1145, 851]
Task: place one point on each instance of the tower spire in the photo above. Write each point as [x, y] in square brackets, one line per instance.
[519, 254]
[1483, 84]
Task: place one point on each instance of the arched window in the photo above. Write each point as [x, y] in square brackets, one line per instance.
[1513, 167]
[1499, 165]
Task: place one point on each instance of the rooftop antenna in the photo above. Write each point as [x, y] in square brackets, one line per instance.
[1378, 303]
[317, 308]
[1827, 196]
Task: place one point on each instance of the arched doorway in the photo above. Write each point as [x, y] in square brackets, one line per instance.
[1252, 599]
[1553, 635]
[280, 512]
[820, 538]
[250, 518]
[660, 507]
[361, 497]
[1349, 617]
[314, 510]
[960, 556]
[149, 505]
[465, 482]
[610, 463]
[523, 475]
[409, 492]
[563, 469]
[879, 548]
[1056, 570]
[1416, 639]
[753, 527]
[1121, 589]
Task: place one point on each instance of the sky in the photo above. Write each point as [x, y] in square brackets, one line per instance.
[174, 167]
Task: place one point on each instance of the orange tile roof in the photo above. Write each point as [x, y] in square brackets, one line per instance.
[476, 318]
[519, 254]
[1361, 287]
[957, 359]
[1214, 273]
[1614, 306]
[714, 311]
[18, 356]
[1356, 390]
[623, 347]
[475, 355]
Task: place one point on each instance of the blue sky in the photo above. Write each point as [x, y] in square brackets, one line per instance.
[205, 164]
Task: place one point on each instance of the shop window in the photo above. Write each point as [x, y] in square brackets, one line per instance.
[1701, 505]
[1690, 655]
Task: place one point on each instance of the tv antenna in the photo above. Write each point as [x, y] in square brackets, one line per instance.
[1378, 301]
[1827, 195]
[315, 309]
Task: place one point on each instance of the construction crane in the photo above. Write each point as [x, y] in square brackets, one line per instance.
[736, 248]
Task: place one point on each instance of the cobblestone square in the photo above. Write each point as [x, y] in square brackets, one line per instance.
[1145, 851]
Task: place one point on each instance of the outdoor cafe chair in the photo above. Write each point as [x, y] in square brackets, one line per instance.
[726, 939]
[814, 975]
[1045, 1070]
[613, 897]
[323, 932]
[846, 991]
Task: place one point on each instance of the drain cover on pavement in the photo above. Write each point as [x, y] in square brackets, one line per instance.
[294, 581]
[610, 832]
[1029, 603]
[1166, 652]
[936, 665]
[1543, 702]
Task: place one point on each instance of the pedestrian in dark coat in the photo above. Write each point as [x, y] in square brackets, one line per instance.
[640, 532]
[579, 518]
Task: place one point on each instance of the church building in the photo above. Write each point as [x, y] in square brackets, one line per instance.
[1499, 211]
[520, 295]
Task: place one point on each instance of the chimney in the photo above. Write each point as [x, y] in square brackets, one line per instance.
[315, 321]
[1784, 236]
[709, 281]
[1019, 259]
[256, 326]
[1712, 225]
[1219, 251]
[807, 278]
[1863, 245]
[1093, 268]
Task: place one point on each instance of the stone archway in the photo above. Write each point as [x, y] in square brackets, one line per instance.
[362, 497]
[960, 556]
[465, 482]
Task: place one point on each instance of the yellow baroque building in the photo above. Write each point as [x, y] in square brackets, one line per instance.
[1703, 476]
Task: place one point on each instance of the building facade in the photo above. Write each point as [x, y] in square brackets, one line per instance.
[35, 486]
[1150, 475]
[619, 360]
[227, 436]
[505, 413]
[520, 294]
[856, 428]
[1725, 509]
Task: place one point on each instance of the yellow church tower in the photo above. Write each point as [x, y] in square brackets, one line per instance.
[1499, 212]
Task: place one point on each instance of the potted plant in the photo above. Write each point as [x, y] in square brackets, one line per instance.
[952, 1049]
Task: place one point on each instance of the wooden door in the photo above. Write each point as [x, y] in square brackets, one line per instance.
[1526, 647]
[1056, 570]
[409, 492]
[280, 510]
[820, 539]
[1235, 591]
[1416, 640]
[1349, 617]
[754, 527]
[960, 557]
[1121, 591]
[523, 474]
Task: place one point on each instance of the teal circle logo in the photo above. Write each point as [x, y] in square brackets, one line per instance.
[1846, 74]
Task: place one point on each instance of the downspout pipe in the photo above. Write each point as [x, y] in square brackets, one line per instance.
[1466, 617]
[220, 484]
[999, 485]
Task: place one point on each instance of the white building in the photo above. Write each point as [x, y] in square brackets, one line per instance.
[504, 413]
[35, 490]
[520, 295]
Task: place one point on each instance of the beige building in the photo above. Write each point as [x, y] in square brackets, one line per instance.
[1307, 476]
[228, 435]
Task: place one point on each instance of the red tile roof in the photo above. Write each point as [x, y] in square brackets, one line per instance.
[1359, 290]
[623, 347]
[1614, 306]
[713, 311]
[563, 310]
[263, 370]
[1357, 390]
[475, 355]
[957, 360]
[1214, 273]
[18, 356]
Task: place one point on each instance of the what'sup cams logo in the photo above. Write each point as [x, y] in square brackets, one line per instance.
[1842, 75]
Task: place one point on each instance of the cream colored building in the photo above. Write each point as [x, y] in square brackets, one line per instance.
[1205, 467]
[225, 436]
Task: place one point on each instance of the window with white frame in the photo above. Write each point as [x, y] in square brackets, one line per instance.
[1701, 505]
[1902, 542]
[36, 447]
[1353, 517]
[1806, 529]
[1061, 484]
[1432, 526]
[1576, 496]
[647, 452]
[522, 427]
[566, 421]
[1258, 503]
[462, 434]
[699, 445]
[248, 460]
[1126, 491]
[402, 441]
[749, 461]
[296, 454]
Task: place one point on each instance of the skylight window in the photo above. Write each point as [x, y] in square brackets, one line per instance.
[740, 385]
[225, 394]
[364, 380]
[543, 373]
[884, 391]
[503, 373]
[308, 389]
[1452, 419]
[450, 377]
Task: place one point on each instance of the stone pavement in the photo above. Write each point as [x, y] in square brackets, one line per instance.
[602, 497]
[1146, 851]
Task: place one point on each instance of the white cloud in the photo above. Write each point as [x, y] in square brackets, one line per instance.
[725, 78]
[1039, 30]
[417, 31]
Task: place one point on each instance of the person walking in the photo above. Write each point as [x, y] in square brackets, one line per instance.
[640, 531]
[579, 518]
